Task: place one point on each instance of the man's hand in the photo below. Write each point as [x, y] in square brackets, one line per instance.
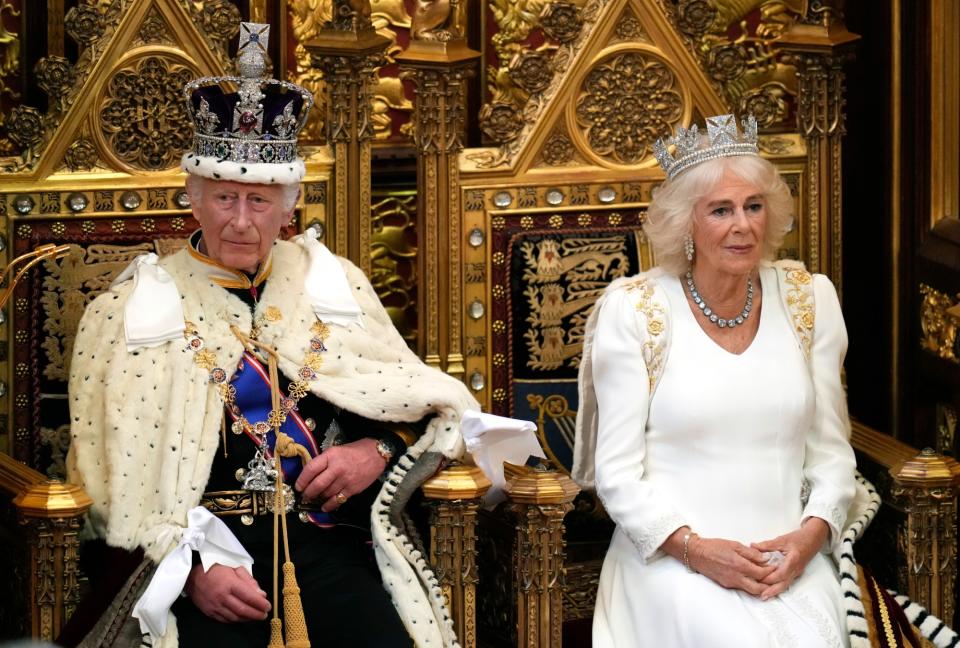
[346, 469]
[227, 594]
[798, 548]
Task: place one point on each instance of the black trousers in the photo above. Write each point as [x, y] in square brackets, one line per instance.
[343, 597]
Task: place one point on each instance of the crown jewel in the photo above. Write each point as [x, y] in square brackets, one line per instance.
[256, 125]
[723, 141]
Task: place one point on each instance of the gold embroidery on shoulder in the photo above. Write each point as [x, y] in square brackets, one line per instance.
[800, 304]
[653, 314]
[273, 314]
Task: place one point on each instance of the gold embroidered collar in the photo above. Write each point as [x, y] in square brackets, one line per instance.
[223, 276]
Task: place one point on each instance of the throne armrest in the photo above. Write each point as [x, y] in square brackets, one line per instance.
[52, 513]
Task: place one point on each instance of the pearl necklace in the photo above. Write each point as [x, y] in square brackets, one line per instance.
[708, 312]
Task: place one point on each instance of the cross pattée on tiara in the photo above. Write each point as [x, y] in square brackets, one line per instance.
[723, 141]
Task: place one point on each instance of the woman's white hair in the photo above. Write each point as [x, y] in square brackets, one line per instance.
[195, 185]
[670, 216]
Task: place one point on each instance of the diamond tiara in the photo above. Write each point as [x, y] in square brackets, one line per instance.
[723, 141]
[259, 123]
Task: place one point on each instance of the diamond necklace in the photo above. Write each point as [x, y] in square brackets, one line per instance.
[708, 312]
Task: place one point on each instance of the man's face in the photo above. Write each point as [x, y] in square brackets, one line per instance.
[240, 222]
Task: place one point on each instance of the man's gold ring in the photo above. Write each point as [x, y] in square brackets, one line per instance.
[341, 498]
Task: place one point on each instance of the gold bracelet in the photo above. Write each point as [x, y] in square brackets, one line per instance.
[686, 551]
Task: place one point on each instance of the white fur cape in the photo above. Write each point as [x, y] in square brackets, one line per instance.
[146, 424]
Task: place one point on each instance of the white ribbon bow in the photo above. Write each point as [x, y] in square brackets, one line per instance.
[153, 313]
[216, 544]
[326, 284]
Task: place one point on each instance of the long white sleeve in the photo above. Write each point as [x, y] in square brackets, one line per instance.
[622, 392]
[829, 462]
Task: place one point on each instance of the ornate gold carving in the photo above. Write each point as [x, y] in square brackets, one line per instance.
[938, 331]
[512, 111]
[740, 66]
[540, 500]
[217, 20]
[455, 493]
[154, 28]
[349, 51]
[307, 17]
[564, 278]
[350, 16]
[820, 104]
[558, 150]
[926, 486]
[393, 256]
[768, 103]
[726, 62]
[626, 103]
[58, 441]
[532, 71]
[502, 122]
[25, 127]
[818, 54]
[695, 17]
[439, 75]
[51, 513]
[85, 23]
[629, 28]
[55, 76]
[69, 285]
[9, 64]
[82, 155]
[561, 21]
[439, 20]
[143, 117]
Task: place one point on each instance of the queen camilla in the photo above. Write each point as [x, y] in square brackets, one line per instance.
[713, 420]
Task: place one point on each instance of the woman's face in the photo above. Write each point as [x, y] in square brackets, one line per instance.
[728, 227]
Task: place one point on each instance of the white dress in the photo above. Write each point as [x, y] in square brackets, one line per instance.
[723, 447]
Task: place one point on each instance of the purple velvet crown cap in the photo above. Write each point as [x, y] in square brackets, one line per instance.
[222, 104]
[248, 134]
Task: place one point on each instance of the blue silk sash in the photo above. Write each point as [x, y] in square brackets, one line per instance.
[253, 399]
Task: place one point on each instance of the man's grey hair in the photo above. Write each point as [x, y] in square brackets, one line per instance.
[195, 185]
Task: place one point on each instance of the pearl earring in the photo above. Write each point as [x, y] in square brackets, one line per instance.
[688, 247]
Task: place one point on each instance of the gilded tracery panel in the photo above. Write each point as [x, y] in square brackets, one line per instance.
[142, 121]
[629, 98]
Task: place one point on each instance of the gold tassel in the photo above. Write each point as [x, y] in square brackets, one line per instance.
[293, 609]
[276, 633]
[292, 605]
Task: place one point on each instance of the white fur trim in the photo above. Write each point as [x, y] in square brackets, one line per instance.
[253, 173]
[153, 417]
